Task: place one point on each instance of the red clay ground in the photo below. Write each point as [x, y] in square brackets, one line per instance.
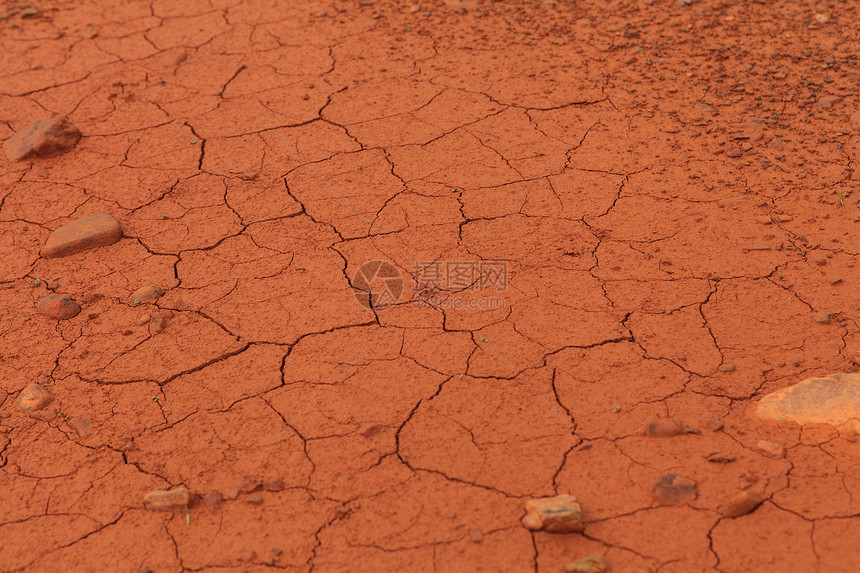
[674, 190]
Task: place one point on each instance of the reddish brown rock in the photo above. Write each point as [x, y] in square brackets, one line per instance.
[559, 514]
[42, 139]
[90, 232]
[160, 500]
[150, 293]
[34, 397]
[58, 307]
[832, 399]
[82, 426]
[741, 504]
[664, 428]
[674, 489]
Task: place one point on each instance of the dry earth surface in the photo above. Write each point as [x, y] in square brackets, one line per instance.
[672, 187]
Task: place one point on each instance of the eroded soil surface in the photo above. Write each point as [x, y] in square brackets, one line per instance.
[673, 188]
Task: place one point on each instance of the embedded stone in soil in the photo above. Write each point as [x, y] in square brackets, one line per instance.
[58, 307]
[34, 397]
[149, 293]
[674, 489]
[90, 232]
[161, 500]
[741, 504]
[559, 514]
[832, 399]
[592, 563]
[42, 138]
[664, 428]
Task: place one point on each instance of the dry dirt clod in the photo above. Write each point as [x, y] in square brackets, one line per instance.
[559, 514]
[213, 499]
[161, 500]
[90, 232]
[145, 294]
[58, 307]
[42, 139]
[770, 449]
[34, 397]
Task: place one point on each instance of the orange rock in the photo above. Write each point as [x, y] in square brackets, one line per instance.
[42, 139]
[58, 307]
[741, 504]
[160, 500]
[33, 398]
[664, 428]
[150, 293]
[90, 232]
[559, 514]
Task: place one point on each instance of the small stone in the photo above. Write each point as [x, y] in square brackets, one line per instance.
[713, 424]
[370, 430]
[414, 8]
[82, 426]
[477, 537]
[255, 499]
[90, 232]
[43, 138]
[58, 307]
[758, 246]
[30, 12]
[593, 563]
[34, 397]
[728, 368]
[160, 500]
[559, 514]
[720, 458]
[177, 58]
[828, 101]
[663, 428]
[142, 320]
[52, 286]
[156, 324]
[770, 449]
[150, 293]
[741, 504]
[705, 108]
[213, 500]
[855, 358]
[734, 151]
[274, 484]
[784, 218]
[854, 121]
[250, 485]
[823, 317]
[674, 489]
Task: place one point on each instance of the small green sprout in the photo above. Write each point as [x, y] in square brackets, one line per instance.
[616, 409]
[193, 141]
[484, 339]
[137, 301]
[165, 217]
[37, 282]
[187, 516]
[155, 398]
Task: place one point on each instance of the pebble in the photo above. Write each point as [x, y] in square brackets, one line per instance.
[854, 120]
[90, 232]
[663, 428]
[734, 151]
[770, 449]
[160, 500]
[142, 320]
[720, 458]
[255, 499]
[477, 536]
[823, 317]
[592, 563]
[34, 397]
[274, 484]
[728, 368]
[370, 430]
[713, 424]
[559, 514]
[828, 101]
[674, 489]
[741, 504]
[42, 139]
[177, 58]
[213, 500]
[156, 324]
[150, 293]
[58, 307]
[758, 246]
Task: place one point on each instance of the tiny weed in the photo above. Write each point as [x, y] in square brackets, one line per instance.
[484, 339]
[616, 409]
[187, 516]
[193, 141]
[455, 189]
[165, 217]
[840, 196]
[137, 301]
[37, 282]
[155, 398]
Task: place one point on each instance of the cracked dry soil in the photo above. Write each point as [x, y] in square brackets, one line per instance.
[672, 186]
